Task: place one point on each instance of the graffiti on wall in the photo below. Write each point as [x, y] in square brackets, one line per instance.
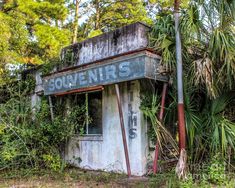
[132, 115]
[132, 121]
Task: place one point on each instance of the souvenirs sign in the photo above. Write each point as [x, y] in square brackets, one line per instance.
[102, 74]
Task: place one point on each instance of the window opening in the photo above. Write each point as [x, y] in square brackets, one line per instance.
[92, 102]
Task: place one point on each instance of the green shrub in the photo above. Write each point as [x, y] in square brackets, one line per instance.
[31, 139]
[52, 161]
[216, 170]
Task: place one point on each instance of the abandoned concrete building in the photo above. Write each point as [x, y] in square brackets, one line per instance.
[109, 72]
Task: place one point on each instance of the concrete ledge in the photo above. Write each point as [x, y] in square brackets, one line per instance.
[90, 138]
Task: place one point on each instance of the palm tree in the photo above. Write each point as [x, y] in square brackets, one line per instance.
[208, 39]
[208, 51]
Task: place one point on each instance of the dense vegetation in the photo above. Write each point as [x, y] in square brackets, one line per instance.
[33, 32]
[208, 56]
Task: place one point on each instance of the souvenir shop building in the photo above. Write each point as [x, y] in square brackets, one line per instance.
[109, 72]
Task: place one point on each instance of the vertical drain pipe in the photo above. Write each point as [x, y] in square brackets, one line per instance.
[160, 118]
[123, 130]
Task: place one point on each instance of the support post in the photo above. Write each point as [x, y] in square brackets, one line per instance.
[51, 108]
[182, 162]
[160, 118]
[123, 130]
[182, 136]
[163, 100]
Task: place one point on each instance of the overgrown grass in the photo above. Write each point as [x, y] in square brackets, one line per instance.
[74, 177]
[70, 177]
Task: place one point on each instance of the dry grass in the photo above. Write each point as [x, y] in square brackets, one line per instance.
[69, 178]
[41, 183]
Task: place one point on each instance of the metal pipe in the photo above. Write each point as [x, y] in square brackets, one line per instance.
[182, 135]
[164, 90]
[156, 154]
[123, 130]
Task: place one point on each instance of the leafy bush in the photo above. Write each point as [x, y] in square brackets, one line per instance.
[30, 139]
[216, 170]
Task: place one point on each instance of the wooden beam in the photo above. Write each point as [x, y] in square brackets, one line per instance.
[123, 130]
[88, 89]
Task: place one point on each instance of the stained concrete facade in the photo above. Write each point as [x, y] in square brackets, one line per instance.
[105, 152]
[120, 41]
[124, 45]
[36, 94]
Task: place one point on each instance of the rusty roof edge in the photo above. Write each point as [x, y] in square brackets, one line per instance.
[104, 59]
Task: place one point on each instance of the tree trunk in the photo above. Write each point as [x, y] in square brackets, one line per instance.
[181, 166]
[75, 24]
[97, 8]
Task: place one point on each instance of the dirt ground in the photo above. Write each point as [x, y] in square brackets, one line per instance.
[70, 178]
[74, 177]
[64, 184]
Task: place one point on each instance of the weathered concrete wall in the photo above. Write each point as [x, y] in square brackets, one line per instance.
[38, 91]
[106, 152]
[123, 40]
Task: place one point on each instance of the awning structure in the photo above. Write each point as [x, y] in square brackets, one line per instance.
[139, 65]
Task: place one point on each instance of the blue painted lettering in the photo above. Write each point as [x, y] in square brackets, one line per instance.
[124, 69]
[110, 71]
[92, 76]
[58, 83]
[82, 78]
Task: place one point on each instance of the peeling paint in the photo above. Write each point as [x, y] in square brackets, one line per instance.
[119, 41]
[107, 154]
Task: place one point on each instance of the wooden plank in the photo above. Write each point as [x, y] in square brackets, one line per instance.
[89, 89]
[128, 167]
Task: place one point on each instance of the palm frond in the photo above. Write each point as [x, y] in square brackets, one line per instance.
[219, 130]
[163, 136]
